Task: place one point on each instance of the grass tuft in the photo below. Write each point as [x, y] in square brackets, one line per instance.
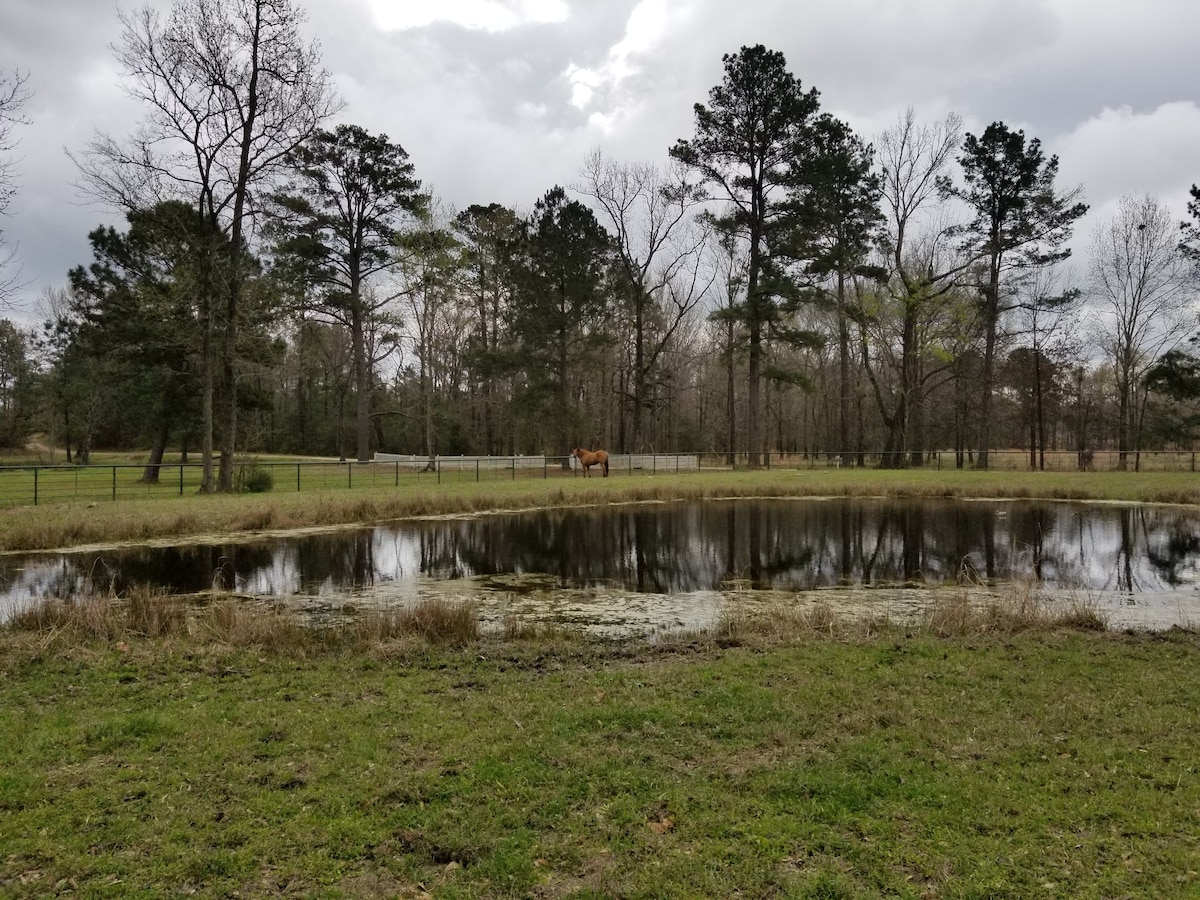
[1020, 609]
[437, 621]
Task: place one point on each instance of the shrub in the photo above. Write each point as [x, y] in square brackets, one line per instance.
[254, 479]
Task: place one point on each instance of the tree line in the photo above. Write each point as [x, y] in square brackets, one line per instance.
[775, 284]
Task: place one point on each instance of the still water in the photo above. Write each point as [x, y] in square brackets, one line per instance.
[644, 567]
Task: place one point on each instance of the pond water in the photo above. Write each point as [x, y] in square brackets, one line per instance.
[646, 567]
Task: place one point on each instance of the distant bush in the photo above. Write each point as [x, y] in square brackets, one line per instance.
[254, 479]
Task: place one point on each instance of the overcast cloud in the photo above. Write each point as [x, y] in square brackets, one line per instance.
[499, 100]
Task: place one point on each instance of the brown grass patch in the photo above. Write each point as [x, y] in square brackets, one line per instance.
[1019, 610]
[436, 621]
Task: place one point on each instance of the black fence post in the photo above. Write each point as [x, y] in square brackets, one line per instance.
[35, 486]
[438, 464]
[181, 479]
[477, 471]
[114, 482]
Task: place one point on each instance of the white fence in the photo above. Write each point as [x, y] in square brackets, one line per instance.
[617, 462]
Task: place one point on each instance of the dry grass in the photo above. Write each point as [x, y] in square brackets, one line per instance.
[1020, 609]
[966, 612]
[234, 622]
[436, 621]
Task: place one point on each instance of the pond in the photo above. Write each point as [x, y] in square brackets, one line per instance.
[647, 567]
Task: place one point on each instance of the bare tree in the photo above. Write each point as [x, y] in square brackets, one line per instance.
[230, 88]
[13, 97]
[427, 270]
[1047, 311]
[922, 286]
[1144, 299]
[658, 239]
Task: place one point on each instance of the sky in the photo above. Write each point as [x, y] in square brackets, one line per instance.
[500, 100]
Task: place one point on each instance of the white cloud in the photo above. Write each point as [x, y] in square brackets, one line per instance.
[483, 15]
[647, 25]
[1121, 151]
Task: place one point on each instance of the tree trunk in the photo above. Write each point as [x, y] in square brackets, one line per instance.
[843, 370]
[992, 317]
[154, 464]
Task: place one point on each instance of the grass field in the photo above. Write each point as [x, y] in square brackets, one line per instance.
[1052, 764]
[150, 749]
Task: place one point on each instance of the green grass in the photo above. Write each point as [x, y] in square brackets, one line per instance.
[365, 499]
[1057, 764]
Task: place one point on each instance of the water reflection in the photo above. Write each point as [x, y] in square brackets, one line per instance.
[675, 548]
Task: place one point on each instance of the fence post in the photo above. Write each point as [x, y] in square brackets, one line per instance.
[181, 479]
[397, 473]
[35, 486]
[438, 464]
[297, 478]
[114, 482]
[477, 471]
[513, 461]
[545, 467]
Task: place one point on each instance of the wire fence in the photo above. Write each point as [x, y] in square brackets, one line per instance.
[25, 485]
[34, 485]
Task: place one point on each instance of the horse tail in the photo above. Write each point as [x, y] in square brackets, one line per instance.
[605, 465]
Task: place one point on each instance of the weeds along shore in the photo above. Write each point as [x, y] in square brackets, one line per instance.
[56, 526]
[222, 619]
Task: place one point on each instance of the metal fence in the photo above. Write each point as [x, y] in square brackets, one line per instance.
[33, 485]
[25, 485]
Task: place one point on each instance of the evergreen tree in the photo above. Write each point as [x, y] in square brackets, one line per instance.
[748, 139]
[558, 315]
[335, 225]
[1020, 222]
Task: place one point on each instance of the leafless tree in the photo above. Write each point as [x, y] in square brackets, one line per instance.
[922, 288]
[1145, 303]
[229, 88]
[13, 96]
[651, 213]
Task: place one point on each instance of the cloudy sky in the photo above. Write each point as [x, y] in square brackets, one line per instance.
[499, 100]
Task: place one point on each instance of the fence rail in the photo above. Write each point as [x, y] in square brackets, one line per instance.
[24, 485]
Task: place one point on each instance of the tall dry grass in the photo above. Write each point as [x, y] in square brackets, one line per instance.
[961, 613]
[234, 622]
[1021, 608]
[436, 621]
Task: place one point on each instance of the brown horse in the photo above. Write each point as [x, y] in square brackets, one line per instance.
[589, 458]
